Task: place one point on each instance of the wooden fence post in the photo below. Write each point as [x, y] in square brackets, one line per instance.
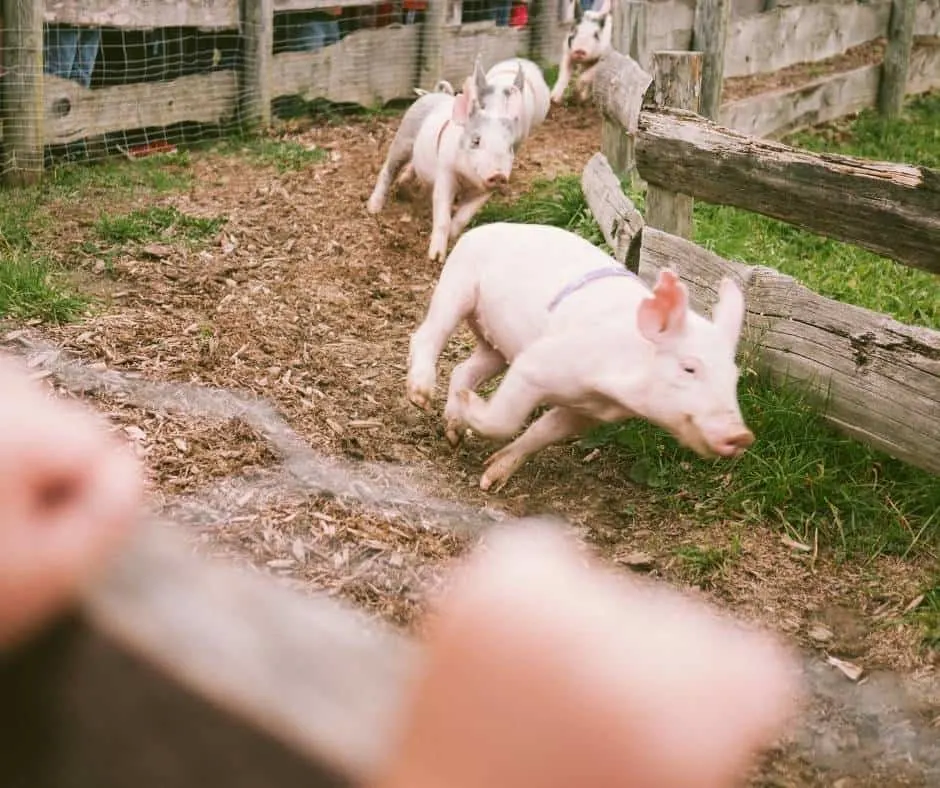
[897, 60]
[432, 45]
[629, 38]
[677, 82]
[708, 37]
[257, 21]
[22, 92]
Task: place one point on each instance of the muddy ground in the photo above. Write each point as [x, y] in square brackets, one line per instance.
[306, 301]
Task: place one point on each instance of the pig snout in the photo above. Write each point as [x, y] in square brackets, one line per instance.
[579, 54]
[735, 443]
[496, 180]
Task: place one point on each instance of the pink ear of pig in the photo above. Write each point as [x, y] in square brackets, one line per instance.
[663, 314]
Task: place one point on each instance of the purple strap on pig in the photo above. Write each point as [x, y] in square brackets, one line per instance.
[590, 276]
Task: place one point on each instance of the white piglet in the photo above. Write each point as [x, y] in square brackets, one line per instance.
[584, 47]
[455, 147]
[495, 89]
[579, 333]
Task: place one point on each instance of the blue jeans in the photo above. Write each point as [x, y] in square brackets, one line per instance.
[71, 52]
[501, 10]
[313, 35]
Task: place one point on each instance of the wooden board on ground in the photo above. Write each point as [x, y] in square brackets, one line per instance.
[874, 378]
[182, 673]
[207, 14]
[768, 42]
[73, 112]
[890, 209]
[356, 70]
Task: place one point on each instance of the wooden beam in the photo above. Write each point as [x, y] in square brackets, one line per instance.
[628, 37]
[897, 58]
[255, 86]
[709, 36]
[73, 112]
[207, 14]
[619, 87]
[179, 672]
[890, 209]
[618, 218]
[764, 43]
[677, 82]
[872, 377]
[22, 92]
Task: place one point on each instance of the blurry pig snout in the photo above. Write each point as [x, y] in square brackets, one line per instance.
[496, 180]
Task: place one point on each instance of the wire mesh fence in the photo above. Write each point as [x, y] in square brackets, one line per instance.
[84, 79]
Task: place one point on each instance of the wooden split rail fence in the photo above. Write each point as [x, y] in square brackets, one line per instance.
[873, 377]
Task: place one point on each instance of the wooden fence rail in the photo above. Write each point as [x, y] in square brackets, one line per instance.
[873, 377]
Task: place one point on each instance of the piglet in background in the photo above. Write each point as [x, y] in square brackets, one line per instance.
[584, 47]
[581, 334]
[459, 150]
[496, 91]
[544, 670]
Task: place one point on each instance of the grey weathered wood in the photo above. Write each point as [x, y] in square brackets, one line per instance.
[830, 97]
[619, 87]
[357, 69]
[461, 45]
[312, 5]
[764, 43]
[709, 36]
[199, 98]
[927, 22]
[628, 36]
[873, 378]
[924, 72]
[208, 14]
[183, 673]
[897, 58]
[891, 209]
[669, 25]
[22, 92]
[255, 84]
[618, 218]
[677, 82]
[432, 45]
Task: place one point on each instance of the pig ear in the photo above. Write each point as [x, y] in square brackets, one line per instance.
[604, 10]
[728, 312]
[479, 77]
[462, 105]
[514, 102]
[663, 315]
[519, 81]
[578, 12]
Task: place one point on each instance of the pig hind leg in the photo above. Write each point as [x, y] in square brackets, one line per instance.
[484, 364]
[454, 300]
[399, 156]
[553, 426]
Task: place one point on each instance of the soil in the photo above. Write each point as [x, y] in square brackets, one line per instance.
[306, 301]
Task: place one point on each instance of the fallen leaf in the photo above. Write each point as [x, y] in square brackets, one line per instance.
[915, 603]
[792, 543]
[819, 633]
[135, 433]
[299, 551]
[281, 563]
[637, 559]
[849, 669]
[157, 251]
[181, 444]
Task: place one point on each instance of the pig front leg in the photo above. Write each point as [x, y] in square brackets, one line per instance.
[555, 425]
[585, 84]
[465, 212]
[484, 364]
[443, 204]
[564, 77]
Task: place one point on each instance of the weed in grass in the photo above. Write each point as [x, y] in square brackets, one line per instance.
[156, 223]
[27, 291]
[704, 565]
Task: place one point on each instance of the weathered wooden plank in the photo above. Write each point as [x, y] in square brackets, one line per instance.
[669, 26]
[73, 112]
[618, 218]
[710, 37]
[182, 673]
[208, 14]
[619, 87]
[357, 69]
[891, 209]
[312, 5]
[677, 82]
[461, 45]
[897, 58]
[764, 43]
[872, 377]
[255, 74]
[821, 100]
[927, 19]
[22, 93]
[924, 72]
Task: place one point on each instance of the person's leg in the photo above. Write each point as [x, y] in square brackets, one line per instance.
[502, 9]
[89, 42]
[59, 50]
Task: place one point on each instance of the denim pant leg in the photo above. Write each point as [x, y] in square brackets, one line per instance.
[89, 42]
[60, 47]
[501, 10]
[317, 35]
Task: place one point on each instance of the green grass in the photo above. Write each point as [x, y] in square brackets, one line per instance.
[283, 155]
[32, 282]
[801, 475]
[157, 223]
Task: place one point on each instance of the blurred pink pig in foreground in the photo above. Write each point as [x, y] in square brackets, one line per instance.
[583, 335]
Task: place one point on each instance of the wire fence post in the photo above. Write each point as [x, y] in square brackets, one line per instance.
[257, 23]
[22, 91]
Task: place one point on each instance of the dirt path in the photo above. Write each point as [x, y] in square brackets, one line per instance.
[307, 302]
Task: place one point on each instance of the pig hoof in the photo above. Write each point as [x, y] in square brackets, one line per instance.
[454, 433]
[374, 205]
[420, 399]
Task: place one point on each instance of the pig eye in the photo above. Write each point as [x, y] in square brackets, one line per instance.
[475, 141]
[689, 368]
[597, 35]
